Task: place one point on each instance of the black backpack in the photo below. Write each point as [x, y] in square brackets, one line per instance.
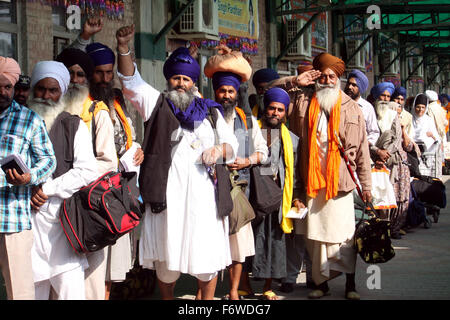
[100, 213]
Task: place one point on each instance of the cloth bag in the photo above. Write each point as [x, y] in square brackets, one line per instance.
[242, 212]
[265, 194]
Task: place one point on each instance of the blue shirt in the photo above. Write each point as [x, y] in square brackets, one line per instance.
[23, 132]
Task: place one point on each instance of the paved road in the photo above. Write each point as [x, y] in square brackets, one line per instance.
[419, 271]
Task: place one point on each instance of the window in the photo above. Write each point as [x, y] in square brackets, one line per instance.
[62, 37]
[8, 29]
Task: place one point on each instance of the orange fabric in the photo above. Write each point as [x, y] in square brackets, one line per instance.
[316, 180]
[325, 60]
[241, 114]
[126, 125]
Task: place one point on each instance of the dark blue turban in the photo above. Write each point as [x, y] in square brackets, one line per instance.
[226, 79]
[276, 95]
[181, 62]
[264, 75]
[100, 54]
[382, 87]
[399, 91]
[361, 80]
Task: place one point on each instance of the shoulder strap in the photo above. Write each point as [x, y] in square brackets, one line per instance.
[93, 127]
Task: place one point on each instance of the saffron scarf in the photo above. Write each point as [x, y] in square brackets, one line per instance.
[316, 180]
[288, 150]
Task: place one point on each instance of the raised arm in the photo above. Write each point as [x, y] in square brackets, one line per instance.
[142, 96]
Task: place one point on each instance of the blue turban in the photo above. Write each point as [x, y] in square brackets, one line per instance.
[276, 95]
[181, 62]
[226, 79]
[399, 91]
[361, 80]
[264, 75]
[382, 87]
[100, 54]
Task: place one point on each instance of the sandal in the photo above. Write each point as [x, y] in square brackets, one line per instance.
[245, 294]
[269, 295]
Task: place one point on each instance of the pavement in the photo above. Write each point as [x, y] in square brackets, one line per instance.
[420, 270]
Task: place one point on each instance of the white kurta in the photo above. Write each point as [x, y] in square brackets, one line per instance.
[51, 251]
[188, 236]
[373, 132]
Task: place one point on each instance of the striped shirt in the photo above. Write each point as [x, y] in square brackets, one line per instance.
[23, 132]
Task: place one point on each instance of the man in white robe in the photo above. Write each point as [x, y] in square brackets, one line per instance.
[182, 231]
[55, 264]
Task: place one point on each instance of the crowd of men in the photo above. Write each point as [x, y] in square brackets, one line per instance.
[292, 129]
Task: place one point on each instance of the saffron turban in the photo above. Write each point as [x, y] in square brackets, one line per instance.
[264, 75]
[180, 62]
[226, 79]
[303, 68]
[325, 60]
[51, 69]
[10, 69]
[276, 95]
[73, 56]
[432, 95]
[361, 80]
[382, 87]
[399, 91]
[100, 54]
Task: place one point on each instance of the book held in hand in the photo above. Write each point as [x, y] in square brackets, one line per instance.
[14, 161]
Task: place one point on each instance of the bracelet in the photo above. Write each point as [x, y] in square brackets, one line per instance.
[124, 54]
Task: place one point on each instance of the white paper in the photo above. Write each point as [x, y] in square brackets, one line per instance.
[295, 214]
[127, 162]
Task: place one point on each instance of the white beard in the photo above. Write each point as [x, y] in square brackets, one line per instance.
[74, 99]
[327, 95]
[47, 112]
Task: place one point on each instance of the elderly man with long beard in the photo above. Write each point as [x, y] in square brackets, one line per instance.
[55, 264]
[182, 230]
[86, 100]
[325, 114]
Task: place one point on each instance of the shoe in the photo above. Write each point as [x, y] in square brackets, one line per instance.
[287, 287]
[402, 232]
[310, 285]
[396, 236]
[317, 294]
[352, 295]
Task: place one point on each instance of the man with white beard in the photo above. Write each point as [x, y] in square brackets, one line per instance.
[184, 229]
[55, 264]
[329, 226]
[79, 99]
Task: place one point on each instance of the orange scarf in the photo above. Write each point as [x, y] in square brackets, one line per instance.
[316, 180]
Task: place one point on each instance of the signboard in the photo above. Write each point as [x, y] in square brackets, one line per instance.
[239, 18]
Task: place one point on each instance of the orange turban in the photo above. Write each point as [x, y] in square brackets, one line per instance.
[10, 69]
[325, 60]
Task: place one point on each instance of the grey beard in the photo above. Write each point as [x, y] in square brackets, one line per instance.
[181, 100]
[228, 110]
[327, 95]
[76, 94]
[46, 108]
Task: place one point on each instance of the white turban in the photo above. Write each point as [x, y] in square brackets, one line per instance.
[51, 69]
[432, 95]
